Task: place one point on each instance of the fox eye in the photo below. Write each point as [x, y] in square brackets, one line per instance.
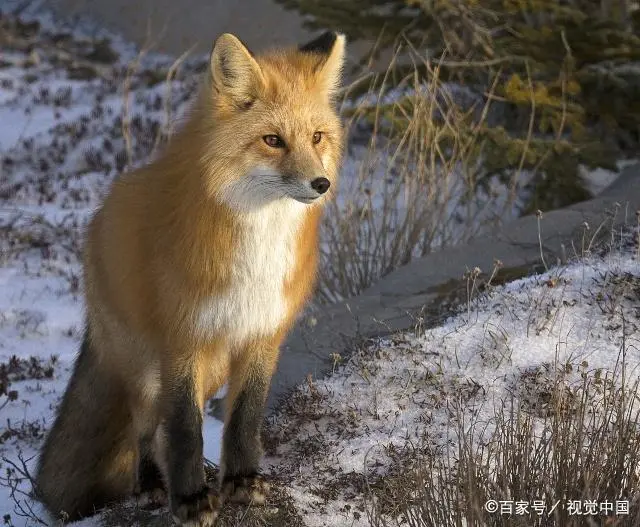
[274, 141]
[317, 137]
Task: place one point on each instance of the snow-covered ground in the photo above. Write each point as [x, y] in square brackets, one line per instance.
[62, 106]
[516, 342]
[68, 105]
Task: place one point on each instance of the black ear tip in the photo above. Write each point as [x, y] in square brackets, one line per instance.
[322, 44]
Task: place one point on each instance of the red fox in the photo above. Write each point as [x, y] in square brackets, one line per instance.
[195, 268]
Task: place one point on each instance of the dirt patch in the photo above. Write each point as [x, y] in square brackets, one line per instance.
[279, 511]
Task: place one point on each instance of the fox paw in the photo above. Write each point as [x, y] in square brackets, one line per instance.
[152, 499]
[196, 510]
[245, 489]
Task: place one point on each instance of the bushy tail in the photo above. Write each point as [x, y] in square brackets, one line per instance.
[89, 457]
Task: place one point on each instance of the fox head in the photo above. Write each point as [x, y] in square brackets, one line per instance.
[274, 131]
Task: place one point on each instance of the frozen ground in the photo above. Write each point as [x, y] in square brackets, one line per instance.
[75, 111]
[520, 341]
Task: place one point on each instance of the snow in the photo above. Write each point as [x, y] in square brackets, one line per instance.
[50, 125]
[512, 341]
[61, 144]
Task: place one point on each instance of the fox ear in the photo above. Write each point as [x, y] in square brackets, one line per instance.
[234, 73]
[330, 49]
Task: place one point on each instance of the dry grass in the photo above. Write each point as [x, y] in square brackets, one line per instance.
[588, 453]
[405, 194]
[160, 136]
[550, 444]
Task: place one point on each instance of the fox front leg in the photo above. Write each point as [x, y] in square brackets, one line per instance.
[241, 445]
[193, 502]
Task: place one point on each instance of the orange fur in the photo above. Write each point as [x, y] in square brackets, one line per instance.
[196, 266]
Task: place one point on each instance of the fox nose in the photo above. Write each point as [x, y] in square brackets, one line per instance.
[320, 185]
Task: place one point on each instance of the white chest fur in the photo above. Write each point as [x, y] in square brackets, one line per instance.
[255, 304]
